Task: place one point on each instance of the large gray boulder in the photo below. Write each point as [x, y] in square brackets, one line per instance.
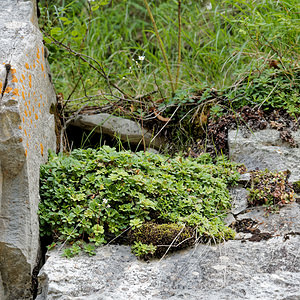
[265, 149]
[263, 264]
[26, 134]
[234, 270]
[127, 130]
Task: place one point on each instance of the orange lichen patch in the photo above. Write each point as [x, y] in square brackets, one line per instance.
[26, 114]
[27, 66]
[25, 152]
[23, 76]
[37, 61]
[39, 105]
[34, 65]
[14, 79]
[30, 81]
[29, 135]
[43, 104]
[26, 104]
[38, 55]
[23, 95]
[42, 50]
[29, 113]
[0, 86]
[36, 116]
[31, 121]
[34, 126]
[42, 66]
[29, 100]
[33, 109]
[27, 144]
[14, 98]
[8, 89]
[20, 140]
[42, 149]
[13, 71]
[23, 119]
[21, 80]
[41, 96]
[28, 96]
[20, 127]
[23, 87]
[35, 99]
[44, 75]
[25, 132]
[16, 92]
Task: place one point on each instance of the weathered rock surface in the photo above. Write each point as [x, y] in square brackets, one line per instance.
[26, 134]
[286, 221]
[127, 130]
[239, 196]
[238, 269]
[265, 149]
[234, 270]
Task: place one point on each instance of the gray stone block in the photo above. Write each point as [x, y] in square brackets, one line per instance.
[239, 197]
[126, 130]
[233, 270]
[264, 149]
[26, 134]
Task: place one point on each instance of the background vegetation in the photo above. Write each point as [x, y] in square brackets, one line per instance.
[222, 44]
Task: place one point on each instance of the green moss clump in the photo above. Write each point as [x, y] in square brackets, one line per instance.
[166, 237]
[296, 186]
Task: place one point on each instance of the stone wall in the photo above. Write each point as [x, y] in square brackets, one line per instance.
[26, 134]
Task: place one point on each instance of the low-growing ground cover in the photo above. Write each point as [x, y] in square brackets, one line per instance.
[96, 195]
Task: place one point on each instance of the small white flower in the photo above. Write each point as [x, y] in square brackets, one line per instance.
[104, 201]
[141, 58]
[107, 206]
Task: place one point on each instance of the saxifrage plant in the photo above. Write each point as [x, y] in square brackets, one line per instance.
[95, 195]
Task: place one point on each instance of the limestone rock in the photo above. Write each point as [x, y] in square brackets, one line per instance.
[239, 196]
[127, 130]
[234, 270]
[265, 149]
[269, 269]
[244, 179]
[26, 134]
[286, 221]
